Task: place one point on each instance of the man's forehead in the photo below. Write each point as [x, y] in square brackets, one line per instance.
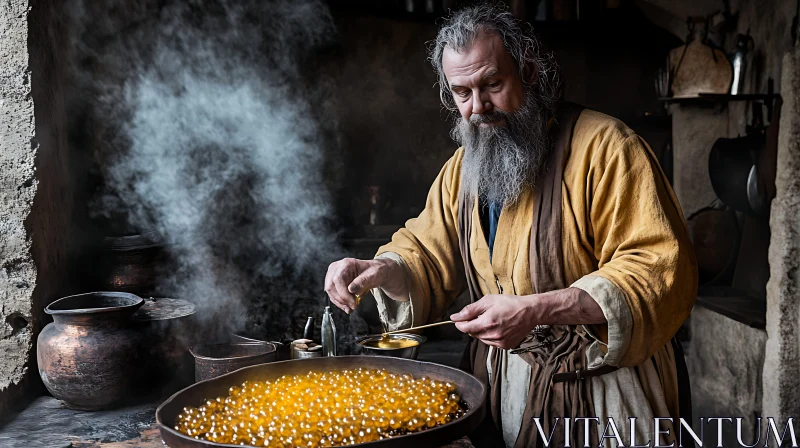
[486, 51]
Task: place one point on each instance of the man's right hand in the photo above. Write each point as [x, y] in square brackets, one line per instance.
[350, 277]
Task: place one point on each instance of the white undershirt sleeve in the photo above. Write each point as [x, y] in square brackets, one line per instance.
[395, 314]
[616, 311]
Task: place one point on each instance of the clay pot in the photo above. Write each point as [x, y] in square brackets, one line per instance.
[87, 356]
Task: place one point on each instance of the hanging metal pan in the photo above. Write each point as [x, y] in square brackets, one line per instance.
[733, 173]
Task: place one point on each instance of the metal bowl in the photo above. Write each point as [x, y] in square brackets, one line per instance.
[282, 346]
[213, 360]
[407, 353]
[470, 388]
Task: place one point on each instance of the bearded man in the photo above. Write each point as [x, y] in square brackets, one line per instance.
[561, 225]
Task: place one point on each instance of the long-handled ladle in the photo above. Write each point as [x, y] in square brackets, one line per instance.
[404, 330]
[420, 327]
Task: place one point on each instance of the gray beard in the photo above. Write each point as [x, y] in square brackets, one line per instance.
[501, 161]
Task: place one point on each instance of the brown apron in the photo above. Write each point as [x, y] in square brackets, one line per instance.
[552, 350]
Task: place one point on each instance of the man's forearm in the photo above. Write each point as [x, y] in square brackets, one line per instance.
[570, 306]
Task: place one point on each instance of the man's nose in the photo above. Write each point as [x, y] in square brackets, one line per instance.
[480, 105]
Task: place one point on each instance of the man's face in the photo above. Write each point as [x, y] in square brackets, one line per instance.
[483, 79]
[503, 125]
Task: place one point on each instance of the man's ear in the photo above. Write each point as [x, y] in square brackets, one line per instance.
[531, 73]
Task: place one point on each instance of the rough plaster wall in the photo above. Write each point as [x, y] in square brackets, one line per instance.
[402, 146]
[694, 130]
[782, 364]
[769, 23]
[17, 190]
[725, 360]
[34, 200]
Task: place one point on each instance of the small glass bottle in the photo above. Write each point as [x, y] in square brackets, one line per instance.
[308, 332]
[328, 333]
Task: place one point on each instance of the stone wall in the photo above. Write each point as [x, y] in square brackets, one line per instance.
[34, 188]
[781, 381]
[725, 370]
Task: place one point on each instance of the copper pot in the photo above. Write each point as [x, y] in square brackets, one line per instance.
[87, 355]
[128, 263]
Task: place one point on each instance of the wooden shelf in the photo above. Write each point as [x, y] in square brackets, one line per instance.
[714, 98]
[735, 305]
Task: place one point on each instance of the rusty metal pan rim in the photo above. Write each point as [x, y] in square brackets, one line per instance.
[477, 409]
[135, 304]
[271, 348]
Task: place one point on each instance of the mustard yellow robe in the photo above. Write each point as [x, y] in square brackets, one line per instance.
[624, 241]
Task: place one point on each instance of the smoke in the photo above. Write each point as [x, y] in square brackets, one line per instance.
[212, 131]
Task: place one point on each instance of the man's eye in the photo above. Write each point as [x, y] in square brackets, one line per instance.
[494, 84]
[463, 94]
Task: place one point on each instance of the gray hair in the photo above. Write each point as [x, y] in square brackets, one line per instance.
[462, 27]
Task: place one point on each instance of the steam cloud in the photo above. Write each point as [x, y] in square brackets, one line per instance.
[213, 137]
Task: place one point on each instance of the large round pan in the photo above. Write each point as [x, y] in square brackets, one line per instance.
[470, 389]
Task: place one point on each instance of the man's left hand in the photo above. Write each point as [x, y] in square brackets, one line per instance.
[500, 320]
[503, 320]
